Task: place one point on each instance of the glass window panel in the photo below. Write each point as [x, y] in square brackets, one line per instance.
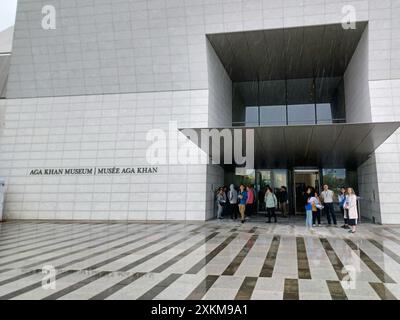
[244, 95]
[334, 178]
[273, 115]
[301, 114]
[326, 88]
[272, 93]
[280, 179]
[331, 90]
[324, 113]
[300, 91]
[245, 176]
[252, 116]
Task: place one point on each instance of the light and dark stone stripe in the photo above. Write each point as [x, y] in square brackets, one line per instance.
[269, 263]
[246, 289]
[234, 265]
[54, 250]
[10, 228]
[159, 287]
[291, 289]
[395, 240]
[76, 286]
[381, 290]
[336, 290]
[303, 267]
[144, 259]
[377, 270]
[18, 277]
[199, 292]
[33, 286]
[392, 231]
[49, 234]
[106, 242]
[108, 249]
[253, 230]
[118, 286]
[150, 255]
[386, 251]
[334, 259]
[183, 254]
[49, 242]
[18, 236]
[95, 245]
[203, 262]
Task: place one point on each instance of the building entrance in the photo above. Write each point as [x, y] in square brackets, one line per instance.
[302, 179]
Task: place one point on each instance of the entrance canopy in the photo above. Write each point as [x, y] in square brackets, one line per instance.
[345, 145]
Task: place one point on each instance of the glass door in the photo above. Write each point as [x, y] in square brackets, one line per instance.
[303, 179]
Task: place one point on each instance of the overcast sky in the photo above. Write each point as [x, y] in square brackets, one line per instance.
[7, 13]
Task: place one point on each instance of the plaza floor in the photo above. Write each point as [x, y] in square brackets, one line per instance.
[214, 260]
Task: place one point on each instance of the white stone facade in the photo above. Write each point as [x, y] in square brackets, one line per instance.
[87, 92]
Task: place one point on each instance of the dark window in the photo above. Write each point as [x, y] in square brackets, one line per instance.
[291, 101]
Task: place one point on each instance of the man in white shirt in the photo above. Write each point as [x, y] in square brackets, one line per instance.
[327, 198]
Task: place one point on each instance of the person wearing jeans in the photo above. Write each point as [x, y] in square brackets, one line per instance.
[327, 197]
[309, 216]
[242, 196]
[232, 198]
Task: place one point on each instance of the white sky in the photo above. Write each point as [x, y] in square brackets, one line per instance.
[7, 13]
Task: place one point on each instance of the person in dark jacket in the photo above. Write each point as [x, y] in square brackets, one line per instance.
[283, 200]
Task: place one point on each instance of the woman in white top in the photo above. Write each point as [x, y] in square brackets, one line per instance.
[351, 207]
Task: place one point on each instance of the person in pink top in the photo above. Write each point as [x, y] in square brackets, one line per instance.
[250, 200]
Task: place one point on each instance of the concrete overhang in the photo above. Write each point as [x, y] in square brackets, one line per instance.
[342, 145]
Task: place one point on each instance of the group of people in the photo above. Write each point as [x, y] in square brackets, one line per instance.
[233, 202]
[315, 202]
[243, 201]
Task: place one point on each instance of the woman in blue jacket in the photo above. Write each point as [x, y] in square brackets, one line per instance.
[242, 196]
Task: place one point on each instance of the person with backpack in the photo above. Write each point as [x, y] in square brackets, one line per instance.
[270, 203]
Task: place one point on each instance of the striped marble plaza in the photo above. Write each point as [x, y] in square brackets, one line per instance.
[214, 260]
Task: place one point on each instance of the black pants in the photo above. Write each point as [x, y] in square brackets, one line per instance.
[261, 205]
[233, 210]
[271, 212]
[249, 209]
[316, 216]
[344, 213]
[330, 213]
